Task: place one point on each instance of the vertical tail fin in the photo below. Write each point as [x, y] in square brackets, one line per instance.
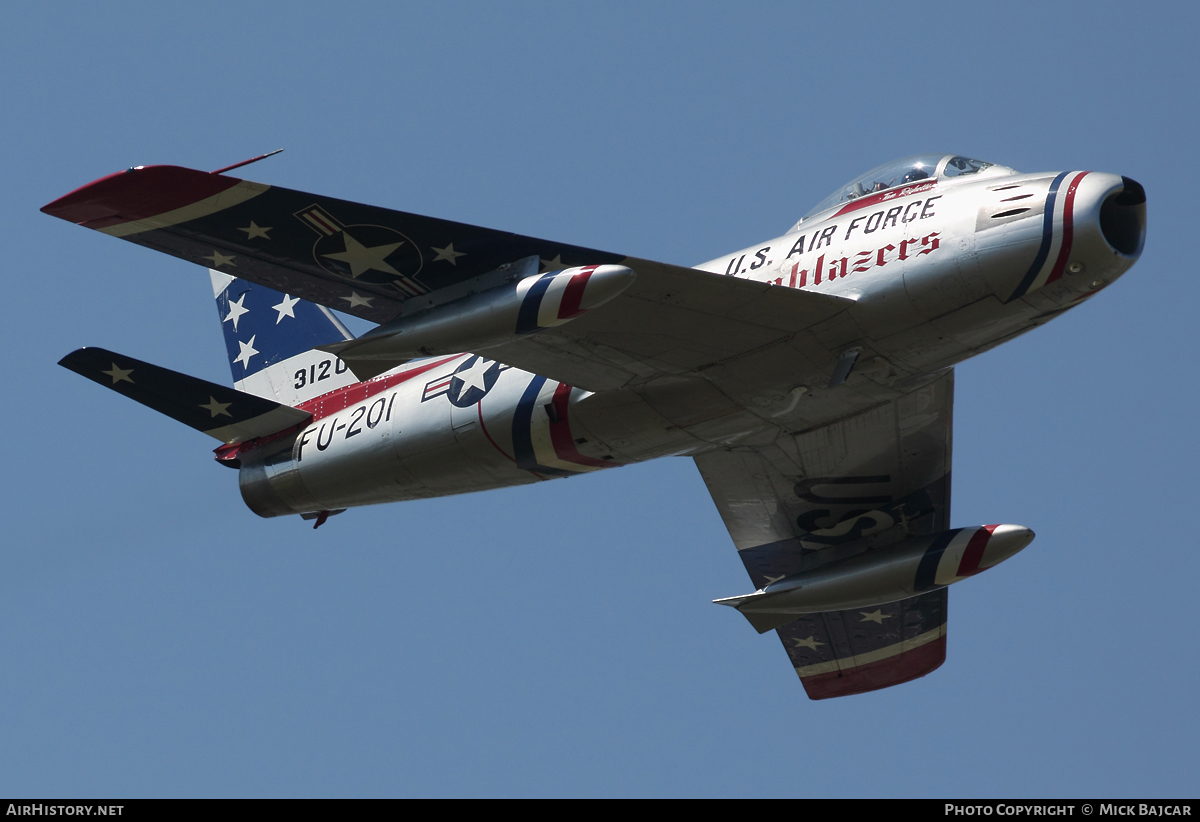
[270, 338]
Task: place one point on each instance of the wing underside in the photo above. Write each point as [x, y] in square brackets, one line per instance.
[864, 481]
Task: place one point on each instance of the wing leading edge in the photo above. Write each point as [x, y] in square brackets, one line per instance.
[861, 482]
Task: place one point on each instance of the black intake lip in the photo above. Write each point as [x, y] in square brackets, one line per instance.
[1123, 218]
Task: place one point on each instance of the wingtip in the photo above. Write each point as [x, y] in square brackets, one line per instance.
[69, 358]
[134, 194]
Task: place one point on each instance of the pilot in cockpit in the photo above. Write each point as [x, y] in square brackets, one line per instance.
[903, 172]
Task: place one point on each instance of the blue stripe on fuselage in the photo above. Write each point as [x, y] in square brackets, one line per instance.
[523, 426]
[1047, 241]
[522, 433]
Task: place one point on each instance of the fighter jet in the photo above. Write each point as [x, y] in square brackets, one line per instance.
[809, 376]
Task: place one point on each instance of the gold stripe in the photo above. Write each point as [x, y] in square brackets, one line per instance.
[874, 656]
[228, 198]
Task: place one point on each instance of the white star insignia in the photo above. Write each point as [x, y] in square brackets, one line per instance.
[236, 310]
[810, 643]
[255, 230]
[473, 377]
[245, 352]
[119, 374]
[553, 265]
[219, 259]
[217, 408]
[448, 254]
[285, 308]
[875, 616]
[355, 300]
[362, 259]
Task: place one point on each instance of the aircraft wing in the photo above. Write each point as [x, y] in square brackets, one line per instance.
[377, 264]
[871, 478]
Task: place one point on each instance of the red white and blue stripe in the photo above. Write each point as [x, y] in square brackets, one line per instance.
[552, 298]
[956, 555]
[1055, 249]
[542, 438]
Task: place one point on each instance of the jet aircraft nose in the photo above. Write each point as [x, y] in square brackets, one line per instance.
[1093, 232]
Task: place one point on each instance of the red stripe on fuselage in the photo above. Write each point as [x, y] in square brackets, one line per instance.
[342, 398]
[483, 427]
[969, 564]
[1068, 229]
[887, 196]
[560, 432]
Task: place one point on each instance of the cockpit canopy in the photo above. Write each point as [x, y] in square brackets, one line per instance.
[905, 171]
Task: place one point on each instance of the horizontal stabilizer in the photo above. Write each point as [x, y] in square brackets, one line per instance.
[221, 412]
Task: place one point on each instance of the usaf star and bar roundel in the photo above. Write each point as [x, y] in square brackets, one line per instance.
[365, 253]
[472, 380]
[468, 384]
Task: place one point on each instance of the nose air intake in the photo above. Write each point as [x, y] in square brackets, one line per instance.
[1123, 219]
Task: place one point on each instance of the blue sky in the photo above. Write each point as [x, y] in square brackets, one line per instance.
[156, 638]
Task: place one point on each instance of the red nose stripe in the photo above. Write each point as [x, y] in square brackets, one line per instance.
[1068, 236]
